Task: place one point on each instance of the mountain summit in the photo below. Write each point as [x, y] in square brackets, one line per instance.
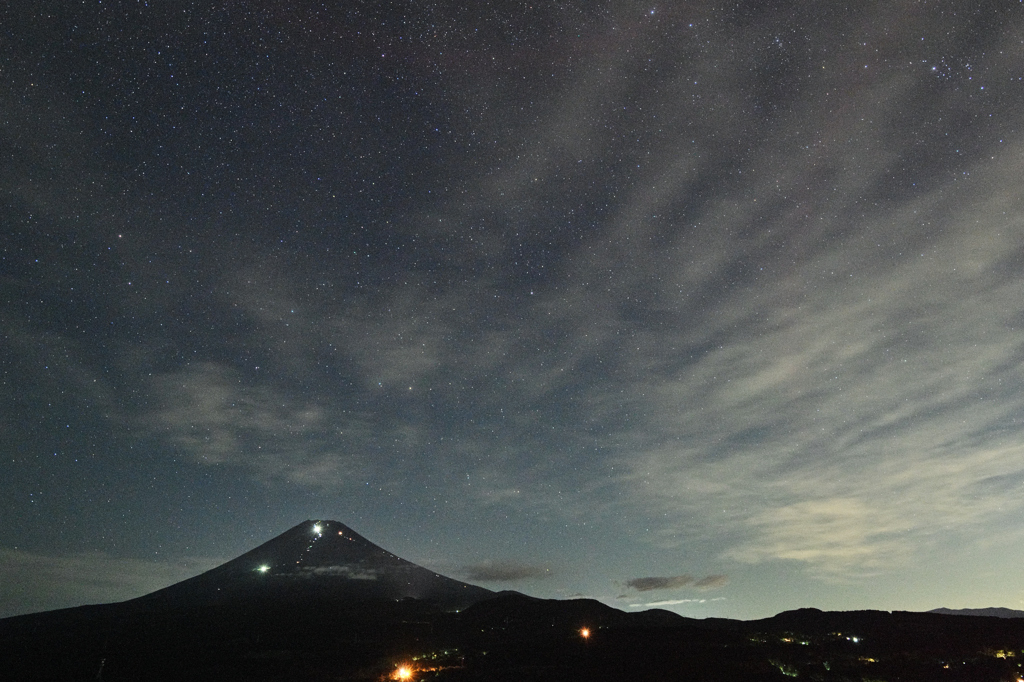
[319, 559]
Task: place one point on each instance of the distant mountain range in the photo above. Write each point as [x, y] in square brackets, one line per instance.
[321, 602]
[992, 612]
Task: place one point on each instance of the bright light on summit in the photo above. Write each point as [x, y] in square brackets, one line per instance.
[317, 528]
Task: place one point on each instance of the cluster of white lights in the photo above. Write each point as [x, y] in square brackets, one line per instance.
[318, 529]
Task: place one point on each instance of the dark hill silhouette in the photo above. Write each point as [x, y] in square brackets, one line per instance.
[514, 613]
[992, 611]
[319, 560]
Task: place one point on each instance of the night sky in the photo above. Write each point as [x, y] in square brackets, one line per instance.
[714, 306]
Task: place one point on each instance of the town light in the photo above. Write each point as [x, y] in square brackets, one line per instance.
[585, 633]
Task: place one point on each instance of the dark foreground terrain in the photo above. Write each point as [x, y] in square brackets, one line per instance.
[510, 637]
[310, 619]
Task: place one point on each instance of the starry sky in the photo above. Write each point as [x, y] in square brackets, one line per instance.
[714, 306]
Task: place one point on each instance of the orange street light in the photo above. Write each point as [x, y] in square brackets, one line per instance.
[404, 672]
[585, 633]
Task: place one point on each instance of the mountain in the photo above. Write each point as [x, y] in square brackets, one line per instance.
[992, 611]
[323, 560]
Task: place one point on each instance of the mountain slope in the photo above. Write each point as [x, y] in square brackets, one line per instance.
[319, 560]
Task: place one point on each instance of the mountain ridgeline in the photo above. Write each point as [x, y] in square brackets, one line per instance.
[321, 602]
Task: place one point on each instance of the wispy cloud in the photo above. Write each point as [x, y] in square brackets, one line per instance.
[212, 413]
[664, 583]
[834, 376]
[676, 582]
[673, 602]
[504, 571]
[845, 428]
[711, 582]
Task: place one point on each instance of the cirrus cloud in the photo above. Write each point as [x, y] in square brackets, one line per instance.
[504, 571]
